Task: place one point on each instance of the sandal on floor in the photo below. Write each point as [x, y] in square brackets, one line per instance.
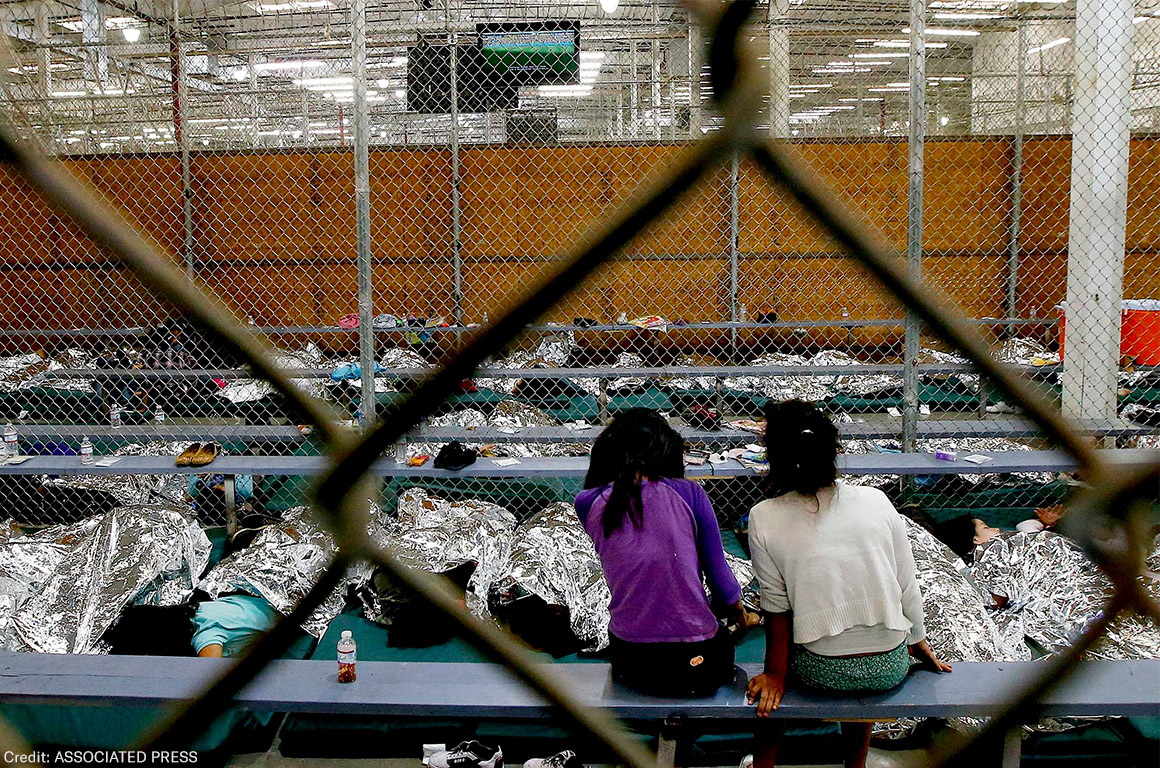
[185, 458]
[208, 452]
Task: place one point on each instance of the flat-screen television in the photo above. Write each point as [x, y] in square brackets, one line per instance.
[480, 88]
[533, 52]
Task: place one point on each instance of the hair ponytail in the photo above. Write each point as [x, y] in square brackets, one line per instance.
[801, 444]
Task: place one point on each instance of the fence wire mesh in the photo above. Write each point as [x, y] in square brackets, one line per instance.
[230, 136]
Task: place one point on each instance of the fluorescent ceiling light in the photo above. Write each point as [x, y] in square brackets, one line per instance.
[132, 34]
[293, 5]
[946, 32]
[69, 94]
[331, 43]
[609, 6]
[325, 82]
[812, 85]
[591, 55]
[905, 44]
[394, 61]
[1050, 45]
[882, 55]
[285, 66]
[969, 16]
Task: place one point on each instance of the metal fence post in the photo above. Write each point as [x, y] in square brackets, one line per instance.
[1017, 178]
[181, 136]
[362, 203]
[456, 203]
[910, 382]
[734, 254]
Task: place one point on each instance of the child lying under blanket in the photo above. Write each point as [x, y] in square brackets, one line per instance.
[224, 627]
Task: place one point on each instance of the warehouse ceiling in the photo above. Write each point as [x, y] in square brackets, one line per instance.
[276, 73]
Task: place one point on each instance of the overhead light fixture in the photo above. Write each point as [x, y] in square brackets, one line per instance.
[1049, 46]
[882, 55]
[609, 6]
[287, 66]
[293, 5]
[565, 90]
[328, 83]
[906, 44]
[961, 16]
[132, 34]
[943, 120]
[946, 32]
[69, 94]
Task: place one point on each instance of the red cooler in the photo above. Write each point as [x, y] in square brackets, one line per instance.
[1139, 331]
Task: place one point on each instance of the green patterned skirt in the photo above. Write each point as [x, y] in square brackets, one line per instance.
[856, 674]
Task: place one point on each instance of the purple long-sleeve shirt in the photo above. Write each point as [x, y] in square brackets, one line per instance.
[654, 571]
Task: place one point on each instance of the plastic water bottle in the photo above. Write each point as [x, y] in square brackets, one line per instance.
[115, 416]
[400, 451]
[86, 451]
[159, 416]
[346, 657]
[11, 441]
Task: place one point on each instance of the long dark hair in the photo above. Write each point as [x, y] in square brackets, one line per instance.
[639, 443]
[802, 446]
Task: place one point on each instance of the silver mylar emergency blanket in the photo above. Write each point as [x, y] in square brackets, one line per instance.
[554, 559]
[149, 555]
[27, 561]
[1047, 579]
[958, 624]
[281, 565]
[436, 535]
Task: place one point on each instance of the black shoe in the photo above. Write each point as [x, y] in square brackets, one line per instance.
[468, 754]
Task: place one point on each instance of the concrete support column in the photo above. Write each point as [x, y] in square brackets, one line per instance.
[1099, 205]
[695, 45]
[93, 36]
[778, 69]
[44, 50]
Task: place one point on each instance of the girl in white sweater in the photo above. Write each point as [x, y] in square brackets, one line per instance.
[836, 574]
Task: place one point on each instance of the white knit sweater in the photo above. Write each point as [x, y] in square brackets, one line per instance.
[845, 565]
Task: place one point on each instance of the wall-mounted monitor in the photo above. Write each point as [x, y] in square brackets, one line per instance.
[532, 53]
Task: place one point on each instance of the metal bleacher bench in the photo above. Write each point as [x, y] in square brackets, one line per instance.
[857, 464]
[487, 691]
[878, 429]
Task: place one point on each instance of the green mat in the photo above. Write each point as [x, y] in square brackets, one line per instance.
[732, 400]
[587, 407]
[483, 399]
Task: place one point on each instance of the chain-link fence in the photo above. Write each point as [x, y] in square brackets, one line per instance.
[371, 197]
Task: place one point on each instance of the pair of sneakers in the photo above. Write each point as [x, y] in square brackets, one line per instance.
[473, 754]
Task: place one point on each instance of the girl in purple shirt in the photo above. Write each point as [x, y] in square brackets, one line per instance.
[657, 536]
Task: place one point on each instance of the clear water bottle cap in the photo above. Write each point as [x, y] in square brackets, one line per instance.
[346, 634]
